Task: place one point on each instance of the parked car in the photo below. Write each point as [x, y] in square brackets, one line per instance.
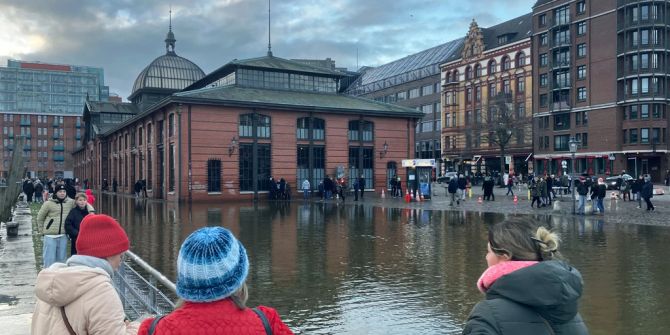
[613, 182]
[447, 177]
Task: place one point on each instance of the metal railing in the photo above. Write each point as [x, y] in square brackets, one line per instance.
[141, 288]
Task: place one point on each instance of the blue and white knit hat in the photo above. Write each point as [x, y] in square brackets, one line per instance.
[212, 265]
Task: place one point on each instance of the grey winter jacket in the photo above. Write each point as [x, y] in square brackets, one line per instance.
[537, 300]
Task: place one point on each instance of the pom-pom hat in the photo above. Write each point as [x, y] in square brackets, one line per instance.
[212, 265]
[101, 236]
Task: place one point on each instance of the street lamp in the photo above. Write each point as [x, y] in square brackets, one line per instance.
[385, 149]
[574, 144]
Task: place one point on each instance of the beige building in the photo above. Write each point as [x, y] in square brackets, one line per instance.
[487, 100]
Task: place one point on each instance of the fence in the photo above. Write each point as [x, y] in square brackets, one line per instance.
[141, 288]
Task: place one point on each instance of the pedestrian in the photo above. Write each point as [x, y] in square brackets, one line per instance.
[115, 185]
[89, 197]
[341, 187]
[39, 190]
[212, 269]
[51, 225]
[637, 190]
[535, 192]
[356, 187]
[542, 186]
[393, 186]
[70, 188]
[510, 185]
[598, 193]
[137, 188]
[648, 192]
[452, 188]
[582, 191]
[528, 288]
[361, 185]
[79, 292]
[550, 188]
[399, 187]
[28, 189]
[74, 218]
[487, 187]
[667, 177]
[305, 189]
[462, 185]
[625, 189]
[144, 188]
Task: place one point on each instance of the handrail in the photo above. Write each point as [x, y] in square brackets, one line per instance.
[153, 272]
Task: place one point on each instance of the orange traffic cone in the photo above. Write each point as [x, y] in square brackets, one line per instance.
[479, 199]
[407, 197]
[516, 199]
[421, 195]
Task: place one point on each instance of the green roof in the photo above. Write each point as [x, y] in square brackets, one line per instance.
[319, 102]
[277, 63]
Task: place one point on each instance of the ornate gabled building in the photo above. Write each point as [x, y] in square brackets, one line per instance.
[487, 100]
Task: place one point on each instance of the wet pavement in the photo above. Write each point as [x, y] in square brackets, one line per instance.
[17, 275]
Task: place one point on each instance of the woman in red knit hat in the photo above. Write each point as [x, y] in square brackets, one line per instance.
[77, 296]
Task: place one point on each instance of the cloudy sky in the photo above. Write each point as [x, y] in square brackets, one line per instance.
[123, 36]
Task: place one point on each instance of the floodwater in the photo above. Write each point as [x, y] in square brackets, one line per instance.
[358, 269]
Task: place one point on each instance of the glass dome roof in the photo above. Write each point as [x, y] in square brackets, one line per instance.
[168, 72]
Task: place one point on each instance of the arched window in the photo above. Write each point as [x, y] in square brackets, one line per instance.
[448, 78]
[478, 71]
[492, 66]
[456, 76]
[506, 63]
[248, 121]
[149, 132]
[468, 73]
[139, 136]
[520, 59]
[317, 126]
[361, 130]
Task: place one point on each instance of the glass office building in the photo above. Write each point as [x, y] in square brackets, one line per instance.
[41, 88]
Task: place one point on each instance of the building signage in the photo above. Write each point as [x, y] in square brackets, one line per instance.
[418, 163]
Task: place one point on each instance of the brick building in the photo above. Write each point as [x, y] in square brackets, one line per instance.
[601, 77]
[487, 100]
[43, 103]
[224, 135]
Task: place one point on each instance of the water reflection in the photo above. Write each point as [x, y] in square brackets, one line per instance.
[353, 269]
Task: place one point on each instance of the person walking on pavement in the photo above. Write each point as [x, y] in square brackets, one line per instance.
[115, 185]
[51, 225]
[305, 189]
[598, 193]
[637, 190]
[582, 191]
[462, 185]
[74, 218]
[79, 293]
[510, 185]
[28, 189]
[452, 188]
[361, 185]
[648, 193]
[39, 189]
[356, 187]
[528, 288]
[487, 187]
[212, 270]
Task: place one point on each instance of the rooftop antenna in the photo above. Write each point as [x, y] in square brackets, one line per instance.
[269, 45]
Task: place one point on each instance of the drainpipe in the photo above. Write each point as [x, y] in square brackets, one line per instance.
[178, 186]
[254, 153]
[190, 171]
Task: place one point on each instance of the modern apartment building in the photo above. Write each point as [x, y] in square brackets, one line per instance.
[487, 100]
[601, 77]
[44, 103]
[414, 82]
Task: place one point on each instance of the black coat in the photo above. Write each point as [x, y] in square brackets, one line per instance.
[73, 221]
[647, 190]
[529, 301]
[637, 186]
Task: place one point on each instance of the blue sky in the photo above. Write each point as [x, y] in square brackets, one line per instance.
[123, 36]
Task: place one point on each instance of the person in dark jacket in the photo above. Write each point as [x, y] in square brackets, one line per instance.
[361, 185]
[73, 220]
[453, 189]
[648, 193]
[582, 191]
[487, 187]
[39, 189]
[462, 185]
[598, 193]
[138, 188]
[28, 189]
[115, 185]
[637, 190]
[528, 289]
[70, 189]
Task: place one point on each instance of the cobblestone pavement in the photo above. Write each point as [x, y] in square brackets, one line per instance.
[616, 211]
[17, 278]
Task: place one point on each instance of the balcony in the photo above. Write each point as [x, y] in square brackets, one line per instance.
[77, 137]
[561, 64]
[27, 136]
[56, 124]
[561, 85]
[78, 125]
[55, 136]
[59, 148]
[9, 147]
[557, 106]
[561, 43]
[25, 122]
[59, 158]
[27, 147]
[11, 135]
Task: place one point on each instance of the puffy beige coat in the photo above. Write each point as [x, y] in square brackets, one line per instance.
[91, 303]
[58, 211]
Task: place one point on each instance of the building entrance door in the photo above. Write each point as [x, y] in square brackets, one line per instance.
[645, 166]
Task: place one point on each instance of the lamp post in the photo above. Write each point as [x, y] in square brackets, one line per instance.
[574, 144]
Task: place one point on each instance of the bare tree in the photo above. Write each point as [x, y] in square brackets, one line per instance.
[501, 124]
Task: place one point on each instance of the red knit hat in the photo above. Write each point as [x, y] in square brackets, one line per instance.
[101, 236]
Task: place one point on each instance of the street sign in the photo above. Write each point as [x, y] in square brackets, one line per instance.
[508, 159]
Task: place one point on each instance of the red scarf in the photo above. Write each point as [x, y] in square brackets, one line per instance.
[496, 271]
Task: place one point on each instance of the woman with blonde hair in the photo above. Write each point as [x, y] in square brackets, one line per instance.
[528, 289]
